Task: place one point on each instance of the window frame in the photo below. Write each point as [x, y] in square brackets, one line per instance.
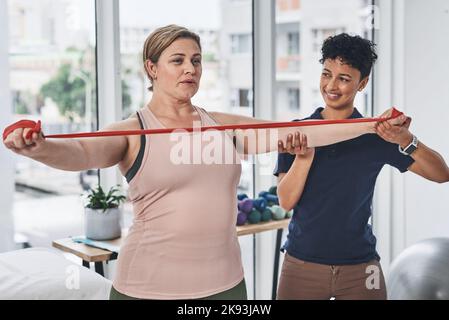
[109, 88]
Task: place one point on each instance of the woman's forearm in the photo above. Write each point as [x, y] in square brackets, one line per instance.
[291, 187]
[249, 141]
[72, 154]
[429, 164]
[67, 154]
[82, 154]
[259, 141]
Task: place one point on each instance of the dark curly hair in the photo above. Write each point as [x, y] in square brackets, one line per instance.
[355, 51]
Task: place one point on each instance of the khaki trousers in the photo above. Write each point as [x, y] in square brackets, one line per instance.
[306, 280]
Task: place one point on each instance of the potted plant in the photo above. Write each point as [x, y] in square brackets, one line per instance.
[103, 213]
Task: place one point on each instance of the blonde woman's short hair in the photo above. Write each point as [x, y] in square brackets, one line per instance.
[160, 39]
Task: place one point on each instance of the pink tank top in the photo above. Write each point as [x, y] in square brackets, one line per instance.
[183, 242]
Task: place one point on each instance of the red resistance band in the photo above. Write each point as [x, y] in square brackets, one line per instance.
[36, 127]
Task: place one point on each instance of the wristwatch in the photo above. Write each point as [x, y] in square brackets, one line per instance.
[408, 150]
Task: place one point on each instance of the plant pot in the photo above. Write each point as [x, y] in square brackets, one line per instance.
[102, 225]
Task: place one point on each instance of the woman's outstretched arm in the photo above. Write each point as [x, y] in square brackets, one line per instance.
[71, 154]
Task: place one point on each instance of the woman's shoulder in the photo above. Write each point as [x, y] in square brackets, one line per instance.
[131, 123]
[229, 118]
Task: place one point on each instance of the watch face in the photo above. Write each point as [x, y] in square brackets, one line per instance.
[410, 149]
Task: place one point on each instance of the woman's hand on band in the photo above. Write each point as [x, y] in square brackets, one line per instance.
[17, 141]
[296, 146]
[394, 130]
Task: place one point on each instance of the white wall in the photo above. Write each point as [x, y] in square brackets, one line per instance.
[427, 100]
[6, 159]
[412, 74]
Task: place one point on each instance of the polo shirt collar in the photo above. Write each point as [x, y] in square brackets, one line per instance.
[317, 114]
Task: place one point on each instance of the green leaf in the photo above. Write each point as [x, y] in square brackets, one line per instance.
[98, 199]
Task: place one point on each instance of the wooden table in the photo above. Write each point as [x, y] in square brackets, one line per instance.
[89, 254]
[98, 256]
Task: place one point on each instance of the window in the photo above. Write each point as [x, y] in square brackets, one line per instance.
[293, 42]
[319, 35]
[52, 47]
[288, 47]
[288, 5]
[293, 99]
[242, 98]
[316, 98]
[225, 29]
[241, 43]
[297, 62]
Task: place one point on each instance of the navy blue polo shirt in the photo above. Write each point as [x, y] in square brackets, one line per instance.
[330, 221]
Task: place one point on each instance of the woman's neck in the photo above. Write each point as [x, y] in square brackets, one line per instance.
[337, 114]
[170, 107]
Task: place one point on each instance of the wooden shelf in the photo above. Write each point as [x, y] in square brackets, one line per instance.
[92, 254]
[262, 226]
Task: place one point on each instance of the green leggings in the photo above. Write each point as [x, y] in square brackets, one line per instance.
[236, 293]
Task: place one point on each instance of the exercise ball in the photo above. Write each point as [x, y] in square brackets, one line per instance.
[421, 272]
